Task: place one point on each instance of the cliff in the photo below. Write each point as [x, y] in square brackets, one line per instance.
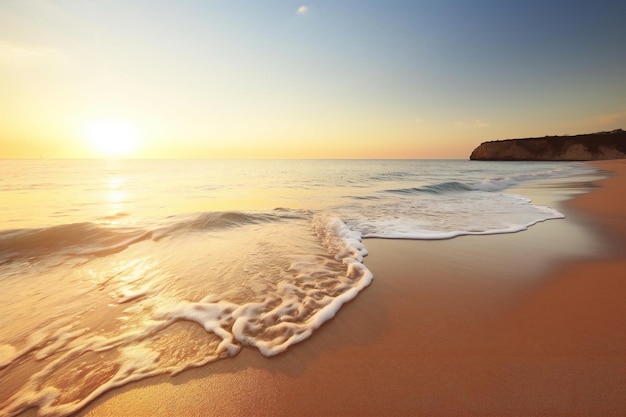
[589, 147]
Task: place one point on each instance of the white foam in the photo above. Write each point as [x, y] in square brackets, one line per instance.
[58, 340]
[214, 317]
[285, 310]
[339, 238]
[285, 317]
[448, 216]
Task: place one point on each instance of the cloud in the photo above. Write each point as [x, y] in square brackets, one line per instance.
[302, 9]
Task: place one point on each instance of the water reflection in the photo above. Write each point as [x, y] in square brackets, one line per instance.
[116, 196]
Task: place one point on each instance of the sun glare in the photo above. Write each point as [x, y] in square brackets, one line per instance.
[113, 139]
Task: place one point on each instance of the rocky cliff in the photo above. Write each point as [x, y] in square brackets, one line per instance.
[594, 146]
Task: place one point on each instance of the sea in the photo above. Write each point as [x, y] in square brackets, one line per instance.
[113, 271]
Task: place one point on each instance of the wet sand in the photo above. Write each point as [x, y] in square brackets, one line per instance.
[523, 324]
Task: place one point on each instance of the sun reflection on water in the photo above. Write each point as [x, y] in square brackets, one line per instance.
[116, 197]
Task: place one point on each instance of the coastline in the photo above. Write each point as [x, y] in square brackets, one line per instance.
[528, 323]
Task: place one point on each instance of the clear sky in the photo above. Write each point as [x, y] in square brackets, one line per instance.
[306, 79]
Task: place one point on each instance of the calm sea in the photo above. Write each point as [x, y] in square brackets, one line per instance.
[113, 271]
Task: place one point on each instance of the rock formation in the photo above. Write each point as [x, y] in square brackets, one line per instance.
[589, 147]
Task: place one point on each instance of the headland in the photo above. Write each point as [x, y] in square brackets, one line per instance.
[588, 147]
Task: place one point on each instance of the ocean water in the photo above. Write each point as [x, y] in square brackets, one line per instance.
[114, 271]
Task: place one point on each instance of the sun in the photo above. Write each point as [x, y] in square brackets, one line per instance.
[112, 138]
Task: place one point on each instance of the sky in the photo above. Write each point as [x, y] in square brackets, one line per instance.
[303, 79]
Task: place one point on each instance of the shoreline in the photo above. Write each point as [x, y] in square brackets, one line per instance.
[519, 324]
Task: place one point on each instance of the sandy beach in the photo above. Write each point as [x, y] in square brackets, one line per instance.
[528, 324]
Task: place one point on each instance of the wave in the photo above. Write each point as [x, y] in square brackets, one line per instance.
[492, 184]
[201, 222]
[78, 239]
[168, 330]
[93, 239]
[441, 188]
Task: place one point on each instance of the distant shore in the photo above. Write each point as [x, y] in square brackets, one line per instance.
[530, 324]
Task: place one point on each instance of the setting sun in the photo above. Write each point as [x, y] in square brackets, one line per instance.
[112, 138]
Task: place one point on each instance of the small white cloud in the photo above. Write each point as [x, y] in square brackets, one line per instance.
[418, 120]
[302, 9]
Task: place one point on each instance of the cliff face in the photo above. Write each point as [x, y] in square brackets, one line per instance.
[594, 146]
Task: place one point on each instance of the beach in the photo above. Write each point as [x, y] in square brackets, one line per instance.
[509, 324]
[217, 208]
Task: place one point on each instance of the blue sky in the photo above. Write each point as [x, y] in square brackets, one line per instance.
[280, 78]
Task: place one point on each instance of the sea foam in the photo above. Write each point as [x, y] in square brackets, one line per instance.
[159, 321]
[450, 215]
